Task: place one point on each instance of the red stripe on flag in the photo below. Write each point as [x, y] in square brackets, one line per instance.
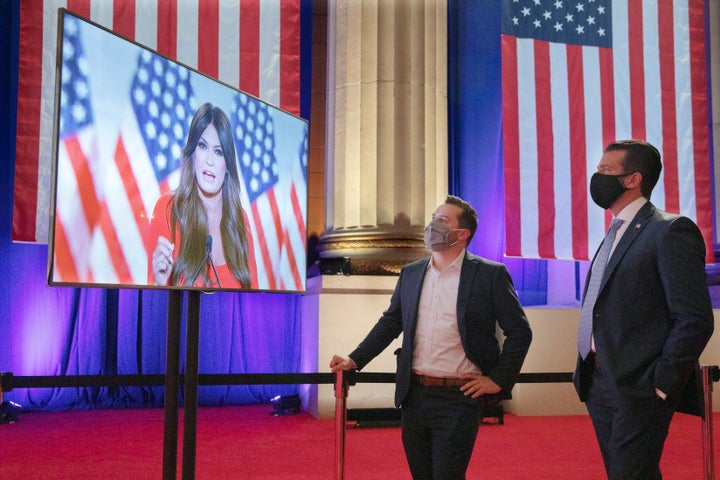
[700, 126]
[124, 19]
[272, 200]
[297, 210]
[545, 151]
[114, 248]
[80, 7]
[250, 46]
[578, 149]
[300, 223]
[208, 37]
[27, 144]
[636, 69]
[607, 96]
[669, 114]
[511, 150]
[134, 197]
[63, 258]
[290, 55]
[260, 232]
[86, 187]
[292, 263]
[167, 28]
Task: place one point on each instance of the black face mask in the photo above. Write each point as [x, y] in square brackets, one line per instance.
[606, 189]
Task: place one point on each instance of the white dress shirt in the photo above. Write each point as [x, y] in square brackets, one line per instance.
[438, 350]
[627, 214]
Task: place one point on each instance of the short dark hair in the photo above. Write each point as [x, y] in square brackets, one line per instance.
[468, 218]
[642, 157]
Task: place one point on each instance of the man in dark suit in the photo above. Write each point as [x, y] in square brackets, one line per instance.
[639, 342]
[450, 363]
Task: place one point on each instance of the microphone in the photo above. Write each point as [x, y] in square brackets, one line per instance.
[208, 248]
[208, 256]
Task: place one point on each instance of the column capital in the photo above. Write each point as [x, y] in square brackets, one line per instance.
[373, 251]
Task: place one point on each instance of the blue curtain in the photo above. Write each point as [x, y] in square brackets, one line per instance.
[475, 136]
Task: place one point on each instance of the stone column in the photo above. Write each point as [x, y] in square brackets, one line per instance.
[386, 145]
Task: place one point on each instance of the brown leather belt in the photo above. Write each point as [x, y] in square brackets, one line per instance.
[427, 381]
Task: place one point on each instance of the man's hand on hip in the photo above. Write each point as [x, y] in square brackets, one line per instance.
[479, 385]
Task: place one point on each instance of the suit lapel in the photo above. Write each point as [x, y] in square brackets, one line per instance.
[464, 289]
[633, 230]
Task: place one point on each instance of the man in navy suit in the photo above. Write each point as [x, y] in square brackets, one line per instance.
[651, 319]
[450, 364]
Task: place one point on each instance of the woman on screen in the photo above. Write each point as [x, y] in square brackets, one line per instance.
[203, 219]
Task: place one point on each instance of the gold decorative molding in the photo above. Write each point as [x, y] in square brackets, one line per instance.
[362, 244]
[383, 254]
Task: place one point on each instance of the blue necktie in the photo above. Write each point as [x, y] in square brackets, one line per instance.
[596, 276]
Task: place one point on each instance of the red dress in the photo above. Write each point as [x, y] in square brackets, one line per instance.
[160, 226]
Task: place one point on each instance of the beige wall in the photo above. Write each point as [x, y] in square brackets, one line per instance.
[340, 310]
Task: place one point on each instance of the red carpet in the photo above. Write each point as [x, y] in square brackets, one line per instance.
[248, 443]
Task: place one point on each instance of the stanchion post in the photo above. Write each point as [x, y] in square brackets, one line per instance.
[709, 374]
[192, 339]
[341, 392]
[172, 370]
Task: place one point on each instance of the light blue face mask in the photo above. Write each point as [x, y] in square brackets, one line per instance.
[437, 236]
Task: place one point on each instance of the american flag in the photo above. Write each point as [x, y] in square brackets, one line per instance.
[253, 45]
[77, 161]
[579, 74]
[107, 235]
[276, 226]
[147, 156]
[160, 97]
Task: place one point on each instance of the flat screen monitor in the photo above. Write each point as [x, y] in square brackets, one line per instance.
[166, 178]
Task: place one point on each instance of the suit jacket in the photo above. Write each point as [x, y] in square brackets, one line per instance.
[653, 316]
[486, 298]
